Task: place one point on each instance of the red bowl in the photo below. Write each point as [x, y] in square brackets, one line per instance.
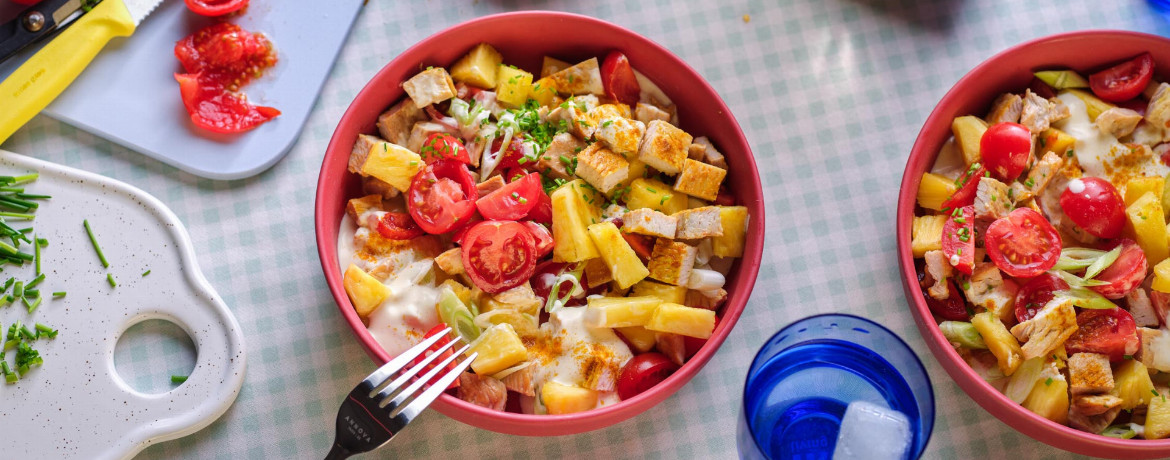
[524, 38]
[1011, 70]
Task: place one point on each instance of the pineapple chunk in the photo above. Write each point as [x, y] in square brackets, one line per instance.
[365, 291]
[999, 341]
[968, 132]
[1131, 383]
[499, 348]
[479, 67]
[620, 311]
[571, 217]
[926, 234]
[1138, 186]
[665, 292]
[565, 399]
[512, 85]
[934, 190]
[543, 91]
[461, 291]
[640, 338]
[1158, 416]
[637, 171]
[1161, 277]
[734, 220]
[1093, 105]
[682, 320]
[392, 164]
[1146, 224]
[1062, 79]
[649, 193]
[1056, 141]
[623, 263]
[1049, 399]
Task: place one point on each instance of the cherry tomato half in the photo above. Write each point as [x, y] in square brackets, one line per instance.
[1005, 148]
[443, 341]
[398, 226]
[643, 372]
[953, 308]
[442, 196]
[1094, 205]
[544, 276]
[1036, 294]
[694, 344]
[1111, 332]
[513, 201]
[642, 245]
[958, 239]
[1023, 244]
[216, 110]
[226, 54]
[1123, 81]
[1126, 273]
[215, 7]
[619, 80]
[542, 212]
[543, 237]
[499, 255]
[968, 184]
[443, 146]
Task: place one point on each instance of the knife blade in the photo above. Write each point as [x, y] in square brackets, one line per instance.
[33, 85]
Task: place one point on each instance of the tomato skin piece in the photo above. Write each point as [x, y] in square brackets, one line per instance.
[1036, 293]
[498, 256]
[642, 245]
[1111, 332]
[213, 109]
[642, 372]
[542, 279]
[542, 212]
[398, 226]
[215, 7]
[1005, 148]
[225, 54]
[692, 345]
[443, 146]
[1098, 208]
[1126, 273]
[968, 185]
[1023, 244]
[954, 231]
[442, 196]
[1123, 81]
[443, 341]
[513, 201]
[543, 237]
[619, 80]
[953, 308]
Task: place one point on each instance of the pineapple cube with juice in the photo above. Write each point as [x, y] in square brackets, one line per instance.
[933, 190]
[624, 265]
[650, 193]
[572, 216]
[1131, 383]
[365, 291]
[566, 399]
[999, 341]
[499, 348]
[512, 85]
[620, 311]
[479, 67]
[1146, 224]
[730, 244]
[682, 320]
[668, 293]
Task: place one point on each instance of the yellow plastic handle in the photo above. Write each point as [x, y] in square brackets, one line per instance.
[46, 75]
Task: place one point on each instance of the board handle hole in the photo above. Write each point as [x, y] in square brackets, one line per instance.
[150, 352]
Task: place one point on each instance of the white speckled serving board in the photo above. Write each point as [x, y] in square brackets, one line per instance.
[75, 405]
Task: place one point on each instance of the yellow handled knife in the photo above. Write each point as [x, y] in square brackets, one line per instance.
[45, 75]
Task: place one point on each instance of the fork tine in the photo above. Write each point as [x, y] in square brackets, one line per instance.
[394, 365]
[414, 387]
[410, 411]
[392, 388]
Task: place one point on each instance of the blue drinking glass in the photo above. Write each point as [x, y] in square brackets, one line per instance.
[805, 376]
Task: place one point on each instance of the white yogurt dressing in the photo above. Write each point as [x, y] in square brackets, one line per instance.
[569, 324]
[1096, 149]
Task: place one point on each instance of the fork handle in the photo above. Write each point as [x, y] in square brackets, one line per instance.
[338, 453]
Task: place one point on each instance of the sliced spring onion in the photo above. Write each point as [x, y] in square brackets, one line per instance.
[146, 273]
[1024, 379]
[96, 247]
[1086, 298]
[453, 312]
[59, 294]
[1119, 431]
[511, 370]
[18, 289]
[37, 259]
[963, 333]
[1072, 259]
[1102, 262]
[1076, 281]
[555, 300]
[110, 278]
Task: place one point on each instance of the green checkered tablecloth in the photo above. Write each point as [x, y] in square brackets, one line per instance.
[831, 94]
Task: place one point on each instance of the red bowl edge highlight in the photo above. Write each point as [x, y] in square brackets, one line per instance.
[1011, 70]
[678, 80]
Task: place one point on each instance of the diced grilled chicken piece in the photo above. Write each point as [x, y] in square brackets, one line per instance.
[482, 391]
[1091, 423]
[940, 270]
[622, 135]
[1155, 348]
[420, 132]
[1041, 174]
[712, 155]
[520, 382]
[987, 288]
[1141, 308]
[646, 113]
[1089, 373]
[394, 125]
[701, 299]
[381, 257]
[671, 345]
[520, 298]
[1039, 113]
[490, 185]
[1006, 109]
[991, 199]
[1048, 329]
[1095, 404]
[647, 221]
[373, 186]
[1049, 201]
[450, 261]
[1161, 304]
[1118, 121]
[559, 156]
[602, 168]
[1158, 112]
[430, 86]
[698, 223]
[356, 208]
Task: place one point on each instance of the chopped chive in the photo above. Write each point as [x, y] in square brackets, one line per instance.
[37, 259]
[29, 196]
[26, 230]
[25, 178]
[110, 278]
[59, 294]
[12, 189]
[8, 284]
[37, 303]
[146, 273]
[98, 249]
[42, 242]
[34, 282]
[17, 215]
[31, 292]
[43, 328]
[19, 202]
[18, 290]
[178, 378]
[28, 333]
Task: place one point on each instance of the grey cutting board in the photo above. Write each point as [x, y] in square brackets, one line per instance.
[129, 95]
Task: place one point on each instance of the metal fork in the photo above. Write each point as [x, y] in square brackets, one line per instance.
[368, 418]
